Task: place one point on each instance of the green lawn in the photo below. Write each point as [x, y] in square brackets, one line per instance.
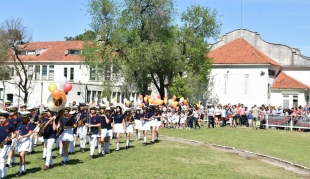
[287, 145]
[164, 159]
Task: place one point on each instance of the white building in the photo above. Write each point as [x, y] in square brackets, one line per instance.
[47, 62]
[249, 70]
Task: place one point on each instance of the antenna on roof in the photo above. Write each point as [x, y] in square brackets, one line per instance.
[241, 14]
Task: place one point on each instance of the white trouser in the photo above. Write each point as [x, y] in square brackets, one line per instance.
[92, 141]
[82, 135]
[3, 154]
[49, 145]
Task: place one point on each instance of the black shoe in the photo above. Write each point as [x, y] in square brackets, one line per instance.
[127, 147]
[60, 155]
[152, 142]
[19, 174]
[43, 159]
[91, 157]
[7, 165]
[63, 162]
[156, 140]
[144, 143]
[32, 152]
[83, 150]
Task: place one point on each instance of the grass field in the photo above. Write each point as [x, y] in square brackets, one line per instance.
[287, 145]
[167, 159]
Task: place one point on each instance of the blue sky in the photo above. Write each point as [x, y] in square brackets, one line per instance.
[277, 21]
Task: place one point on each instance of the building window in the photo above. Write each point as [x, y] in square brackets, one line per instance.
[65, 72]
[31, 52]
[71, 73]
[295, 100]
[30, 71]
[37, 72]
[88, 96]
[51, 72]
[225, 83]
[246, 81]
[44, 72]
[271, 73]
[92, 74]
[22, 52]
[73, 52]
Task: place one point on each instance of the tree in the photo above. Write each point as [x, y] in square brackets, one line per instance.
[150, 48]
[14, 36]
[87, 35]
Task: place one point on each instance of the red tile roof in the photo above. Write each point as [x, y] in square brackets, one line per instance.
[55, 51]
[283, 81]
[240, 51]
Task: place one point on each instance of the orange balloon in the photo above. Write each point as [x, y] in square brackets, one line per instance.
[57, 94]
[185, 101]
[165, 97]
[174, 97]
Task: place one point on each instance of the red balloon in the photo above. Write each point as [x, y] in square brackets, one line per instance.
[67, 87]
[158, 96]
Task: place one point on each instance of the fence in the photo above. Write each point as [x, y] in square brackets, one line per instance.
[300, 122]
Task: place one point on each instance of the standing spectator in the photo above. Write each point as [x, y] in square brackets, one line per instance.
[255, 111]
[210, 112]
[234, 115]
[202, 114]
[242, 116]
[195, 117]
[223, 115]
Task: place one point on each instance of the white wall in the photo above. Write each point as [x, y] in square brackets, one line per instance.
[257, 87]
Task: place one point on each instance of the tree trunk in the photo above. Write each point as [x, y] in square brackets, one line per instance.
[161, 88]
[26, 97]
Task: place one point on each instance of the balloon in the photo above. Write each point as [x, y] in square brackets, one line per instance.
[185, 102]
[180, 103]
[170, 101]
[62, 80]
[57, 94]
[149, 97]
[145, 99]
[150, 101]
[127, 103]
[140, 97]
[181, 99]
[131, 98]
[52, 87]
[67, 87]
[174, 97]
[114, 100]
[166, 97]
[161, 102]
[165, 101]
[158, 96]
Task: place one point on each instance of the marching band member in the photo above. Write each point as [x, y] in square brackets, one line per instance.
[109, 133]
[81, 129]
[103, 132]
[119, 125]
[145, 117]
[34, 119]
[157, 116]
[13, 120]
[93, 125]
[130, 121]
[49, 136]
[72, 144]
[66, 123]
[138, 123]
[153, 122]
[60, 143]
[7, 133]
[24, 130]
[7, 104]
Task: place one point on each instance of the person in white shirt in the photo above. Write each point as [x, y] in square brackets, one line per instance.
[202, 113]
[218, 115]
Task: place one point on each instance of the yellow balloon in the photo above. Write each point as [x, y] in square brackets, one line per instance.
[52, 87]
[114, 100]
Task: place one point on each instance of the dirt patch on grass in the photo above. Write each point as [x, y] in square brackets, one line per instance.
[298, 169]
